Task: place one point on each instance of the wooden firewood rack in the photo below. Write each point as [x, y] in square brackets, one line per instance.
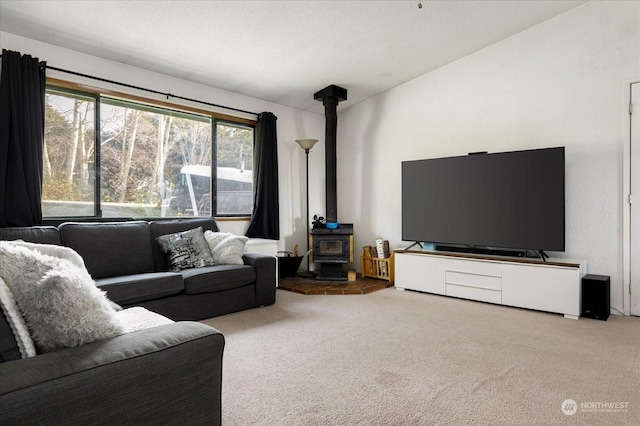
[377, 267]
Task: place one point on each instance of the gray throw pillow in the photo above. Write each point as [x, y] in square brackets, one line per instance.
[185, 250]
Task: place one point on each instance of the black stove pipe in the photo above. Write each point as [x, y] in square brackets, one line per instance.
[331, 96]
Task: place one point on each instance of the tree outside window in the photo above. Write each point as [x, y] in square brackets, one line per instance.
[149, 162]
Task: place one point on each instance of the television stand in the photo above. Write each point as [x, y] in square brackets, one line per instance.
[416, 243]
[544, 256]
[553, 285]
[481, 250]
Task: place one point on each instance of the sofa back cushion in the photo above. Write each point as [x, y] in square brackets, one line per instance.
[9, 350]
[112, 248]
[32, 234]
[164, 227]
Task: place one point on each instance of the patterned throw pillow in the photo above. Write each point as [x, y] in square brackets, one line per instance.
[226, 249]
[185, 250]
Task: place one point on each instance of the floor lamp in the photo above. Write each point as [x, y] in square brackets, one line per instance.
[307, 144]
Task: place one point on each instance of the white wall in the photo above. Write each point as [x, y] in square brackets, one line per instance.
[292, 124]
[561, 83]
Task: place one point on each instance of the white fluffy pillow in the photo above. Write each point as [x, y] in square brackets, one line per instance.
[226, 249]
[60, 252]
[59, 301]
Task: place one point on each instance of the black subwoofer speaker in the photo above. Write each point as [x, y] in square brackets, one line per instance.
[596, 296]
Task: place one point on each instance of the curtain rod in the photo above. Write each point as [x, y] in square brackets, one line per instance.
[131, 86]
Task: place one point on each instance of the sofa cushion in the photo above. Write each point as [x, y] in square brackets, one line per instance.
[9, 350]
[15, 340]
[129, 289]
[111, 249]
[163, 227]
[184, 250]
[33, 234]
[217, 278]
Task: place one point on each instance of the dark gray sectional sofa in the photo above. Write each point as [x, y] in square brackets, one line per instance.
[169, 374]
[124, 260]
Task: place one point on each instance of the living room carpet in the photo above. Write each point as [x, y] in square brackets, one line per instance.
[313, 286]
[405, 358]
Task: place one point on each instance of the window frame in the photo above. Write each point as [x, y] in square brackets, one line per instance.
[63, 87]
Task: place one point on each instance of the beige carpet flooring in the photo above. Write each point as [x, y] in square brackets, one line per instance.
[406, 358]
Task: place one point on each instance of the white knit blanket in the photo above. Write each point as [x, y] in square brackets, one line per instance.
[138, 318]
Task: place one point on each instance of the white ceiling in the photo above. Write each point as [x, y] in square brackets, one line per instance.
[279, 51]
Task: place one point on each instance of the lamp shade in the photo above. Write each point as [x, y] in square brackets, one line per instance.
[306, 143]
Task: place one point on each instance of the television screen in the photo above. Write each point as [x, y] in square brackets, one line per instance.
[508, 200]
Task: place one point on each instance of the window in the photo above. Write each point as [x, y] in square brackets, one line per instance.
[68, 187]
[234, 164]
[142, 161]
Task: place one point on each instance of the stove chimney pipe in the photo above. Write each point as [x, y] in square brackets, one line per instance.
[330, 97]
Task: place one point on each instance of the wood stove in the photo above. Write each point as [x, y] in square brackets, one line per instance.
[331, 243]
[332, 248]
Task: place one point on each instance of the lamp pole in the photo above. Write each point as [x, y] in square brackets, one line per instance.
[307, 144]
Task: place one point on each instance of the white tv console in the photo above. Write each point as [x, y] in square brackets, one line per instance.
[551, 286]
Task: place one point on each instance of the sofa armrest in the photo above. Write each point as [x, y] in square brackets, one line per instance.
[265, 267]
[170, 374]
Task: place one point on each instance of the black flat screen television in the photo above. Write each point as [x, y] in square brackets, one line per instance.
[508, 200]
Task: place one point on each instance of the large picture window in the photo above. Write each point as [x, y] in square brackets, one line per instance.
[142, 161]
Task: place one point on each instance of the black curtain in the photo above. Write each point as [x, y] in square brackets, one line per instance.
[265, 222]
[22, 99]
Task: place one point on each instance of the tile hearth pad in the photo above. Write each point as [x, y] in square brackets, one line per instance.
[312, 286]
